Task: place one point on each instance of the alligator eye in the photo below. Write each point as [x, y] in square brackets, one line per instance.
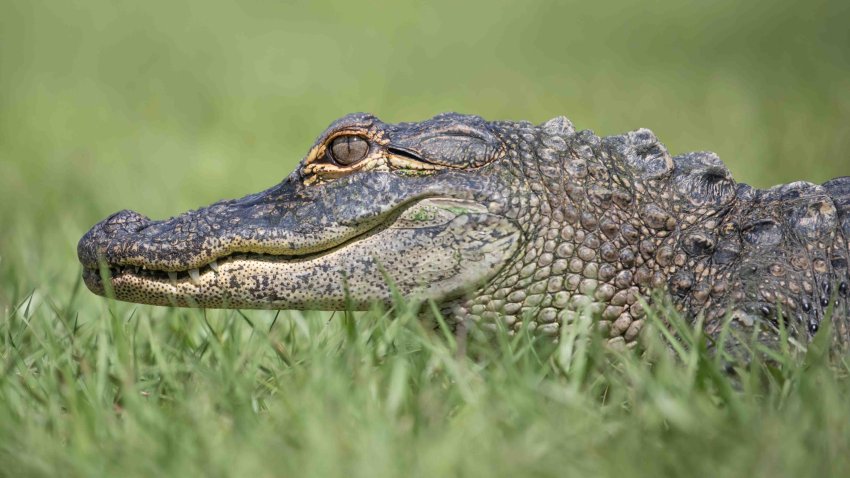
[347, 150]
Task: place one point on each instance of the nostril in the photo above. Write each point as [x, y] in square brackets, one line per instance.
[125, 216]
[119, 226]
[125, 221]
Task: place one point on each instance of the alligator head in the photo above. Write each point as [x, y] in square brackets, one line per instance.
[372, 210]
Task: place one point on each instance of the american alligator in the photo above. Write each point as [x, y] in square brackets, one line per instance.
[499, 223]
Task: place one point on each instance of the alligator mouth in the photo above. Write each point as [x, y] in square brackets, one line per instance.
[193, 275]
[118, 271]
[431, 248]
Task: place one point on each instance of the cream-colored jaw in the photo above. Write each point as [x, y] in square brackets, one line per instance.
[436, 249]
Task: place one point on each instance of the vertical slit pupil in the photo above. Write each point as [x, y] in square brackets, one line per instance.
[347, 150]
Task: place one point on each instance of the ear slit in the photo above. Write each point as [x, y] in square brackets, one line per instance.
[405, 153]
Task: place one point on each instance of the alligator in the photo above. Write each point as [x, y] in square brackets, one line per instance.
[502, 224]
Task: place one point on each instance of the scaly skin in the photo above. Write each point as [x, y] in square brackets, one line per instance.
[499, 221]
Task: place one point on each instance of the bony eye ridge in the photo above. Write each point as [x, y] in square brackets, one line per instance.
[349, 149]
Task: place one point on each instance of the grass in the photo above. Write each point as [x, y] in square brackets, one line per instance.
[165, 106]
[189, 392]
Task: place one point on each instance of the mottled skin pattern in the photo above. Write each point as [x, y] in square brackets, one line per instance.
[500, 221]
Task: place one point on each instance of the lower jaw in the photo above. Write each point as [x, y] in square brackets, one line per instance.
[208, 292]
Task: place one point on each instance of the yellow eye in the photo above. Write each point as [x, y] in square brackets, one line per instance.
[347, 150]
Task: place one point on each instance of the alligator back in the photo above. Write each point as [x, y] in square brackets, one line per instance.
[782, 255]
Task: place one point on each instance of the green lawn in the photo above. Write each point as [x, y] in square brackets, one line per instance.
[165, 106]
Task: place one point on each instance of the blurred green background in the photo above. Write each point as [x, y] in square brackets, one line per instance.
[161, 106]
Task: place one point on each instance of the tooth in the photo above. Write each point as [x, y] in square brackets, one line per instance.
[195, 275]
[213, 265]
[172, 276]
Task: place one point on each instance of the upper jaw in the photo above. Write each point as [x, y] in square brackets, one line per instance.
[280, 221]
[285, 221]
